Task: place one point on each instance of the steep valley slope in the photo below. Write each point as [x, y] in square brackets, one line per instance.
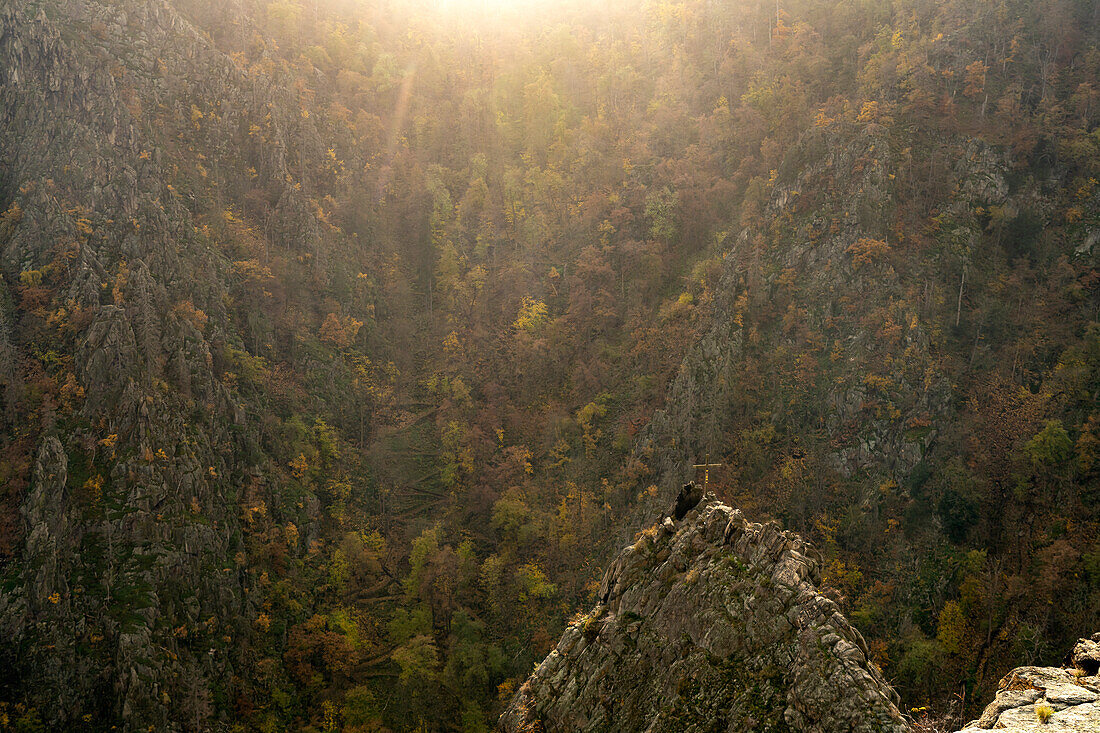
[343, 343]
[117, 346]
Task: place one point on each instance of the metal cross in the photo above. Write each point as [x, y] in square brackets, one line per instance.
[706, 465]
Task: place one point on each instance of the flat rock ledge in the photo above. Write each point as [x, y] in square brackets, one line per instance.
[1068, 698]
[710, 623]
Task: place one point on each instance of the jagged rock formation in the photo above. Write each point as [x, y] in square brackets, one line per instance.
[709, 623]
[125, 601]
[704, 400]
[1048, 698]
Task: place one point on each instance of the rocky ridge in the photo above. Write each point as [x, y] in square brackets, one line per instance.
[707, 396]
[123, 598]
[1048, 698]
[709, 623]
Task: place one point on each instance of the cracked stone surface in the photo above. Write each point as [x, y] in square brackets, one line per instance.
[1073, 694]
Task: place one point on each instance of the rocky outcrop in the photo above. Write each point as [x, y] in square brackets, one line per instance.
[709, 623]
[1048, 698]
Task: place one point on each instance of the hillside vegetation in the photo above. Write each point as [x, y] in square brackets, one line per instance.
[342, 341]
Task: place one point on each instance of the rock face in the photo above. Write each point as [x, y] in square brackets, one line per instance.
[707, 395]
[1069, 698]
[121, 598]
[705, 624]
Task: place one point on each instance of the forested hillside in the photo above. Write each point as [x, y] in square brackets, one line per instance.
[341, 341]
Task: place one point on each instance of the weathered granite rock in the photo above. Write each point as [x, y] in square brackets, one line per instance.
[706, 624]
[1086, 655]
[1070, 696]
